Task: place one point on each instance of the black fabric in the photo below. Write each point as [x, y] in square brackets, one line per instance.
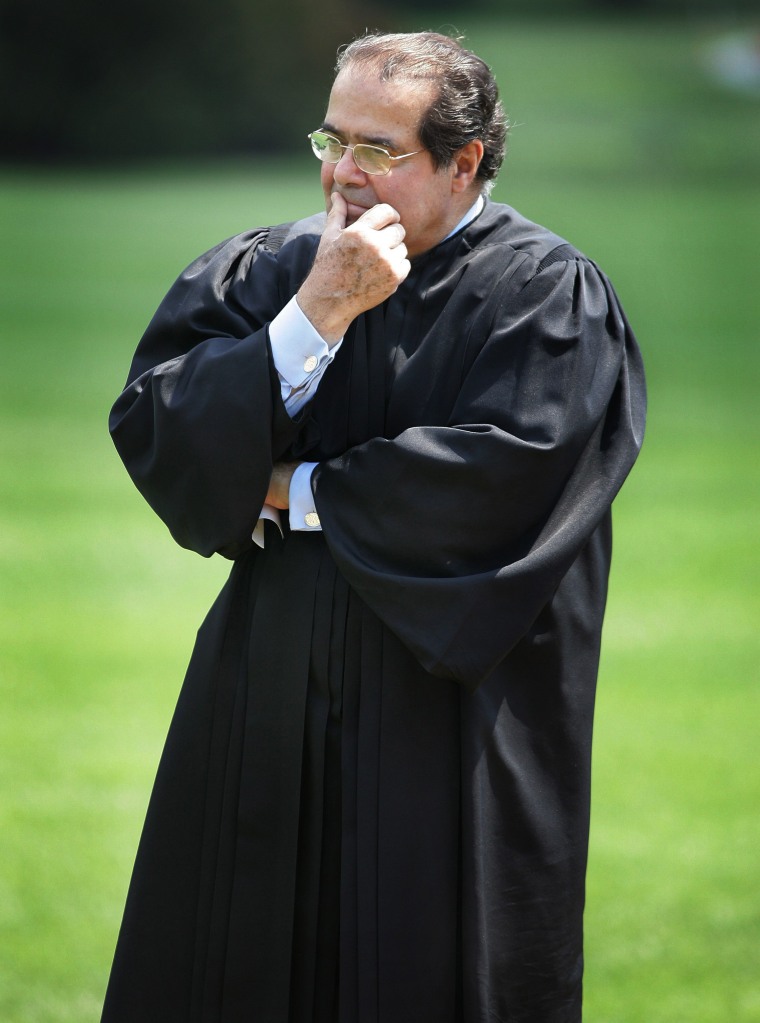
[373, 801]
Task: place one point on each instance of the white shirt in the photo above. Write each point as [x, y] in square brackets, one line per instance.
[301, 357]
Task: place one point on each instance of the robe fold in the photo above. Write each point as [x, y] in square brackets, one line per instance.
[373, 802]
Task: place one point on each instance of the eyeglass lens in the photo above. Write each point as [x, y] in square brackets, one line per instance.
[370, 159]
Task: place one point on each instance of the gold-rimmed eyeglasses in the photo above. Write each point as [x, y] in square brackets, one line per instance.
[368, 158]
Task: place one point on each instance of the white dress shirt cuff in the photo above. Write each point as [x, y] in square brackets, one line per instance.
[300, 355]
[267, 512]
[303, 514]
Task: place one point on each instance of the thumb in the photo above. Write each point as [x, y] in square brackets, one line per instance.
[336, 218]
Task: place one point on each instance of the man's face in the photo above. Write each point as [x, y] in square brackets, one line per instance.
[365, 109]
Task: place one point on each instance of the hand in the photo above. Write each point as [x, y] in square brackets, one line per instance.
[278, 494]
[355, 269]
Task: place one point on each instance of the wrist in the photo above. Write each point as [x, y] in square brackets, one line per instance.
[278, 495]
[324, 315]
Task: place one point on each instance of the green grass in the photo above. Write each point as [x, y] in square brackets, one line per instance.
[626, 147]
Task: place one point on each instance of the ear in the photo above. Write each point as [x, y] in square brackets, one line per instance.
[466, 163]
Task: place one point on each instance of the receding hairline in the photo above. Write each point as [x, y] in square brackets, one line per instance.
[464, 99]
[400, 56]
[429, 83]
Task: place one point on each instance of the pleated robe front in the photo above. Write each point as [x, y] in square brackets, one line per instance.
[373, 802]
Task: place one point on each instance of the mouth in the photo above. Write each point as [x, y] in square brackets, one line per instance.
[355, 209]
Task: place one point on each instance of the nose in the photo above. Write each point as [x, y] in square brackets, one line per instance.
[346, 172]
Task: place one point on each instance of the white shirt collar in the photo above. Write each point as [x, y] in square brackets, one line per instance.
[473, 211]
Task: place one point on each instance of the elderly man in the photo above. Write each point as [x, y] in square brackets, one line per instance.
[405, 423]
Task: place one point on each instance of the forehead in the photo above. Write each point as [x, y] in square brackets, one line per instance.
[364, 107]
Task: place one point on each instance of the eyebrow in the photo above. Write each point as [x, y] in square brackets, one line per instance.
[372, 140]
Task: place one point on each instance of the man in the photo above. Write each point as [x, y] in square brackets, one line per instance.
[405, 423]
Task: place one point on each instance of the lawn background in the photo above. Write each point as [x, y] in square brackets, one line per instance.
[626, 145]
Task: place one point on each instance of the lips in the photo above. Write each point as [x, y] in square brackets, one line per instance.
[355, 209]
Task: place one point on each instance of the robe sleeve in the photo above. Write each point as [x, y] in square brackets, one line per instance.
[457, 535]
[201, 420]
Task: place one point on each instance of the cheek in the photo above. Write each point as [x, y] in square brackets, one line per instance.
[411, 208]
[327, 175]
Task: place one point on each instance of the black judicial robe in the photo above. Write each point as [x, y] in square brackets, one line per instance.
[373, 802]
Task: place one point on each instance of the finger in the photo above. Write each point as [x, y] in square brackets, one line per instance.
[401, 260]
[393, 235]
[401, 268]
[336, 218]
[338, 205]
